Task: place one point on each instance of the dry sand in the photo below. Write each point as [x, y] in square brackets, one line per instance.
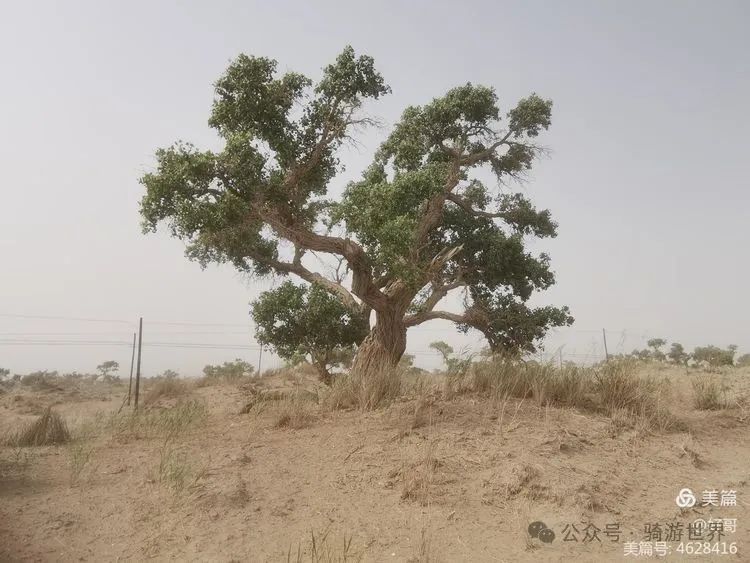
[459, 481]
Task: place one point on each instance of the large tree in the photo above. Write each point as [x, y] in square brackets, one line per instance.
[420, 224]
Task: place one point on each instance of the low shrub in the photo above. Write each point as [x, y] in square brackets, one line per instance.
[369, 392]
[229, 372]
[166, 387]
[50, 428]
[294, 411]
[709, 393]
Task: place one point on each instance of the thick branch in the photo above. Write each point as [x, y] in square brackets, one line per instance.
[471, 159]
[466, 206]
[434, 213]
[439, 292]
[421, 317]
[363, 285]
[327, 136]
[296, 267]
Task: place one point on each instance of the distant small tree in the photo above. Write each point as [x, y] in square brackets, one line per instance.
[169, 374]
[407, 361]
[106, 369]
[641, 354]
[452, 362]
[715, 356]
[309, 322]
[229, 370]
[655, 344]
[4, 373]
[443, 348]
[743, 361]
[677, 354]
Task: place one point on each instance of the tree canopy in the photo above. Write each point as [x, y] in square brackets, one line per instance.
[421, 222]
[715, 356]
[299, 321]
[105, 369]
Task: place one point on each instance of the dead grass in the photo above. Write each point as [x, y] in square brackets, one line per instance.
[321, 549]
[176, 470]
[49, 429]
[419, 477]
[80, 454]
[544, 383]
[369, 392]
[294, 411]
[709, 393]
[614, 388]
[621, 390]
[425, 552]
[689, 449]
[165, 388]
[154, 423]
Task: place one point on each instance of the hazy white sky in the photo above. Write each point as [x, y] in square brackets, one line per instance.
[647, 177]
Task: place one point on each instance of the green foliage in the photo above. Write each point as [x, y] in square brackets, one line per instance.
[299, 321]
[406, 362]
[743, 361]
[715, 356]
[419, 223]
[219, 202]
[443, 348]
[43, 379]
[235, 370]
[106, 369]
[510, 326]
[4, 373]
[655, 344]
[453, 363]
[677, 354]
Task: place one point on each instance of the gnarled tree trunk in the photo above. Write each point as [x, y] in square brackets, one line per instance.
[384, 346]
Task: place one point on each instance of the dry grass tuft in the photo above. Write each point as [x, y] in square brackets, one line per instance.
[417, 413]
[167, 388]
[709, 393]
[376, 389]
[688, 449]
[418, 478]
[154, 423]
[294, 411]
[50, 428]
[613, 387]
[521, 476]
[322, 550]
[424, 551]
[80, 454]
[176, 471]
[622, 392]
[544, 383]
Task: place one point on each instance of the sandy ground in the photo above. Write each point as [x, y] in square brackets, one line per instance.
[462, 486]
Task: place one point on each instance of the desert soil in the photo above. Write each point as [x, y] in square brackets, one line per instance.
[425, 479]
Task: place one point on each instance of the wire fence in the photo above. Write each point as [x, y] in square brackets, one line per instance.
[69, 343]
